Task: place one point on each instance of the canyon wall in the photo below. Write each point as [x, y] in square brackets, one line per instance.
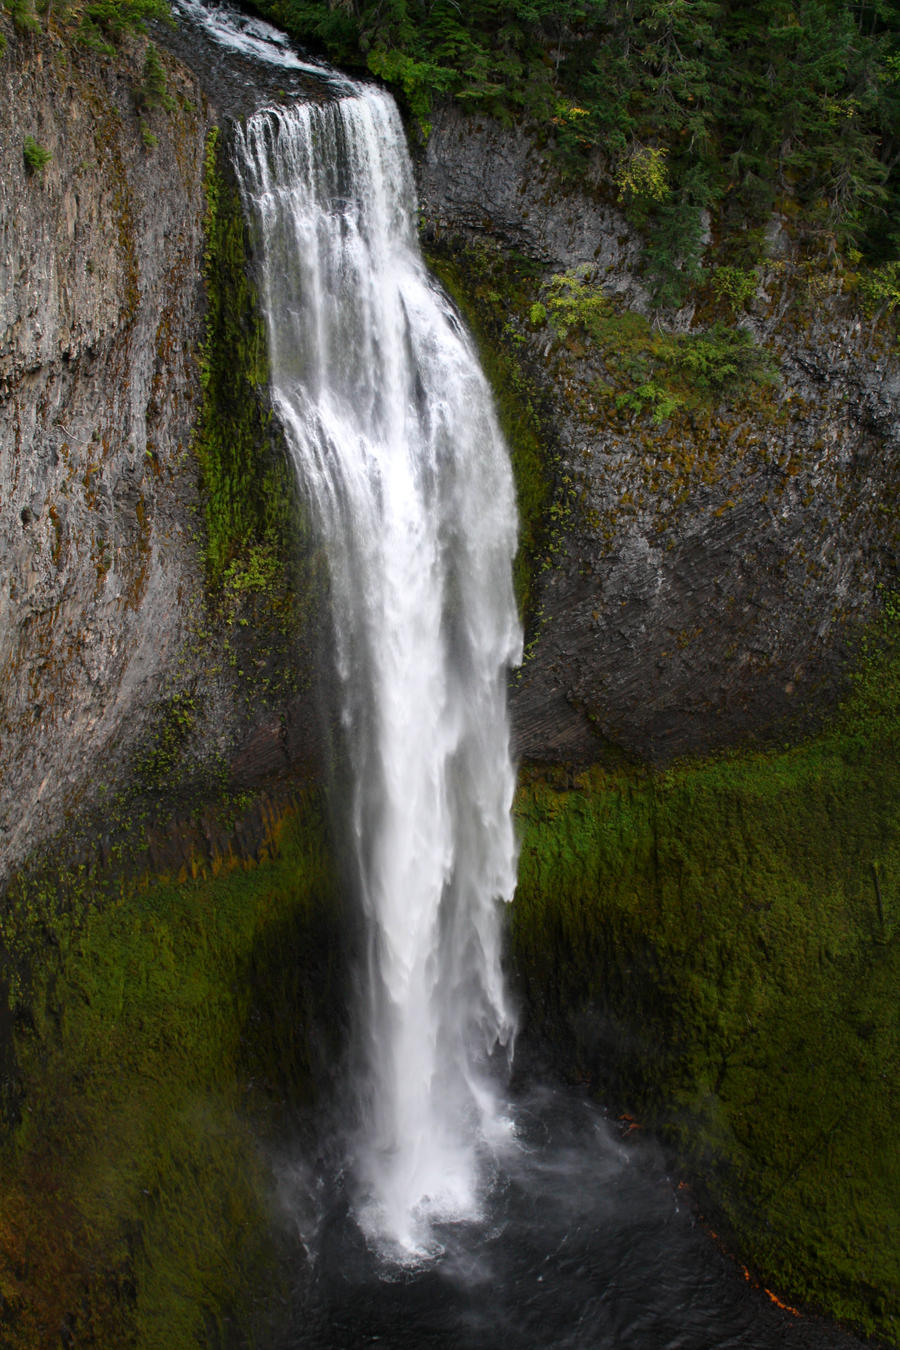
[706, 573]
[128, 659]
[697, 572]
[100, 309]
[714, 559]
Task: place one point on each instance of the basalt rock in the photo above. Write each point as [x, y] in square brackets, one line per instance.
[117, 659]
[713, 571]
[710, 573]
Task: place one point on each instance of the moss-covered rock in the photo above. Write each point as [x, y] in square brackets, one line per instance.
[717, 948]
[481, 282]
[156, 1033]
[247, 484]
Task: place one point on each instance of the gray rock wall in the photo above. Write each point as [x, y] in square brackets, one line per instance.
[709, 578]
[100, 307]
[713, 571]
[128, 670]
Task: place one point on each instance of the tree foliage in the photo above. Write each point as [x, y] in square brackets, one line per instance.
[709, 111]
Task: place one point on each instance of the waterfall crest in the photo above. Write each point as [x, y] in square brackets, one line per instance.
[393, 435]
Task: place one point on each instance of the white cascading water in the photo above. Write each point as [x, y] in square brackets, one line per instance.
[391, 427]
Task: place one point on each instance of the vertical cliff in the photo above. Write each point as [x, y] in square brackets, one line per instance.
[169, 941]
[145, 506]
[725, 514]
[100, 308]
[699, 568]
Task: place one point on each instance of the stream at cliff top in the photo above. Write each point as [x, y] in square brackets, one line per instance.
[449, 1210]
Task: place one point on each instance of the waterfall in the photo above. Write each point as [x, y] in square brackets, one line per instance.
[393, 435]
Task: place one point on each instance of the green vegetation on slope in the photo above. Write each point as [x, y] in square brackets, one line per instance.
[717, 947]
[704, 108]
[157, 1027]
[98, 24]
[653, 370]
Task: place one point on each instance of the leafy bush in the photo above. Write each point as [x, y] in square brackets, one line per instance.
[879, 288]
[643, 177]
[419, 80]
[735, 285]
[654, 370]
[658, 398]
[573, 301]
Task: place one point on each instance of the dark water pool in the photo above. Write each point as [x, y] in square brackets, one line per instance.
[585, 1243]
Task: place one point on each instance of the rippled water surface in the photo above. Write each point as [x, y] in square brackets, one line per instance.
[585, 1241]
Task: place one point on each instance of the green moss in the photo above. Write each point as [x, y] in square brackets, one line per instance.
[718, 947]
[166, 741]
[264, 569]
[35, 156]
[157, 1026]
[248, 488]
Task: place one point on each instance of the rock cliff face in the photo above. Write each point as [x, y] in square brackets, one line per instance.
[713, 565]
[100, 308]
[699, 578]
[116, 658]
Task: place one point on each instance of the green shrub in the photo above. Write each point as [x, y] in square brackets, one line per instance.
[23, 15]
[722, 359]
[103, 22]
[657, 371]
[735, 285]
[573, 301]
[661, 400]
[879, 288]
[643, 177]
[97, 24]
[35, 156]
[419, 80]
[153, 92]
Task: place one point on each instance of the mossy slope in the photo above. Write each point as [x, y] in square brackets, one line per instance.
[158, 1030]
[717, 947]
